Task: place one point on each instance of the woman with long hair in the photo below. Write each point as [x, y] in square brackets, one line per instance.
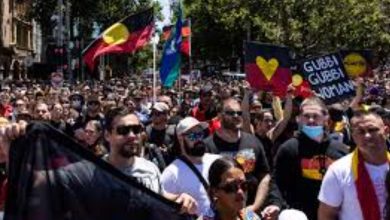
[94, 137]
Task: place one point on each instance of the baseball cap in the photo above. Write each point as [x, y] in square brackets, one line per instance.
[160, 106]
[206, 89]
[188, 123]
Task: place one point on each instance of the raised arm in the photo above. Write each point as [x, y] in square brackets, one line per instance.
[282, 123]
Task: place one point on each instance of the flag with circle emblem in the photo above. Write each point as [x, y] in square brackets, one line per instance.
[357, 63]
[267, 67]
[125, 36]
[302, 86]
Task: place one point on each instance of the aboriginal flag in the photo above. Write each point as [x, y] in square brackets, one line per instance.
[358, 63]
[51, 177]
[185, 32]
[301, 85]
[267, 67]
[125, 36]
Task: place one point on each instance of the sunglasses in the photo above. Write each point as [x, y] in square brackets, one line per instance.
[194, 136]
[93, 103]
[157, 113]
[233, 113]
[233, 187]
[124, 130]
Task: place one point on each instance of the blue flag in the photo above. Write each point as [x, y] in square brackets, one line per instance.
[171, 59]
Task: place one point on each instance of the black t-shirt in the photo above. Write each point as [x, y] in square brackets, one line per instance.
[160, 137]
[268, 148]
[157, 137]
[163, 139]
[300, 166]
[248, 151]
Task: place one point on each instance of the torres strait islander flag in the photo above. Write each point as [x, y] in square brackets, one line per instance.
[267, 67]
[171, 57]
[125, 36]
[185, 32]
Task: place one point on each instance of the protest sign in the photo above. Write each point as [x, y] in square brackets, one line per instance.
[267, 67]
[327, 77]
[357, 63]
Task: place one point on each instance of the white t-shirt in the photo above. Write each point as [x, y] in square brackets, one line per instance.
[179, 178]
[145, 171]
[338, 188]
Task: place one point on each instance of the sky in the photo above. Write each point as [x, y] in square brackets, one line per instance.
[165, 12]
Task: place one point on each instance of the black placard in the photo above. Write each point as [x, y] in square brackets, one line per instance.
[327, 77]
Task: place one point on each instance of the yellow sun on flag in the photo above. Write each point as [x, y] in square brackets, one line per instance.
[116, 34]
[297, 80]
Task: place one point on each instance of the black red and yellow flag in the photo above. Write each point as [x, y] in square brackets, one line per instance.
[267, 67]
[125, 36]
[185, 31]
[301, 85]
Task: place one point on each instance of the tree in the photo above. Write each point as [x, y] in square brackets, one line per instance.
[88, 12]
[307, 26]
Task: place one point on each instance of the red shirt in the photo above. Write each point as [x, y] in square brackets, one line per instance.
[5, 111]
[198, 114]
[214, 125]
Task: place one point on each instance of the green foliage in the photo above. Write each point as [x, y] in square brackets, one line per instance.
[309, 27]
[103, 12]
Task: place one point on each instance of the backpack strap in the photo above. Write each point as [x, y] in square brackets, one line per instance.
[196, 172]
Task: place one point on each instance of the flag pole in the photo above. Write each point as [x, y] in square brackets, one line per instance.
[154, 71]
[190, 51]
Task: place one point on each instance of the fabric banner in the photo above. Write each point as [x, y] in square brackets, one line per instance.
[51, 177]
[327, 77]
[171, 58]
[185, 32]
[267, 67]
[125, 36]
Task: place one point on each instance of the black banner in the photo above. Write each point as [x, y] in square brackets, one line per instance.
[327, 77]
[51, 177]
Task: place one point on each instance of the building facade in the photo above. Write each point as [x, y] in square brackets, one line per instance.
[20, 39]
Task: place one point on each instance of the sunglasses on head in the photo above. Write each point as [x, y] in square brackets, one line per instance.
[233, 187]
[233, 113]
[194, 136]
[124, 130]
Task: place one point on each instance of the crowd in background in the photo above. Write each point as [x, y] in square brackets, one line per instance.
[278, 149]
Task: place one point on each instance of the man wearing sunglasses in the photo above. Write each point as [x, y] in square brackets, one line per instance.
[160, 134]
[232, 142]
[123, 132]
[178, 177]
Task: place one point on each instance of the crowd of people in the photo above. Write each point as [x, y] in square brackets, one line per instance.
[220, 149]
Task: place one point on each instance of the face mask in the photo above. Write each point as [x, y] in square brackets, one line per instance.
[312, 131]
[198, 150]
